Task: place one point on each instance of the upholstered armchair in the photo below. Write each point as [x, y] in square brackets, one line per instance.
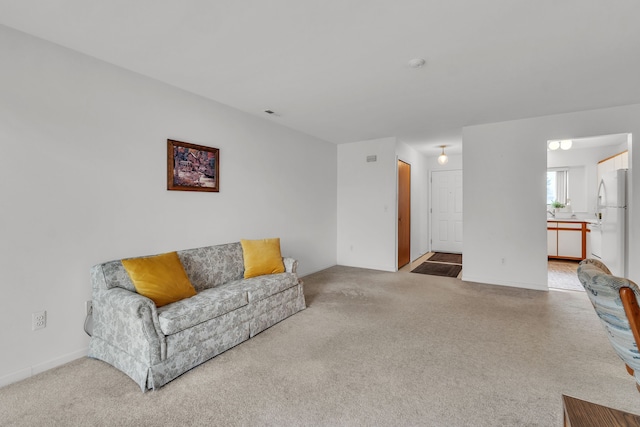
[615, 301]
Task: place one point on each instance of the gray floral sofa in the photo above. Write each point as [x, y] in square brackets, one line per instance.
[155, 345]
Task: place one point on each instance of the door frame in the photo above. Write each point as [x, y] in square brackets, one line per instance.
[398, 160]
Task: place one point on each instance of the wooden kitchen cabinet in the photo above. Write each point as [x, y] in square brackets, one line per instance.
[570, 244]
[613, 163]
[604, 166]
[552, 239]
[567, 240]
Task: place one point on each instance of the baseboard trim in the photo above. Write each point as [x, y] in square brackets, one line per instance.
[14, 377]
[309, 273]
[25, 373]
[511, 284]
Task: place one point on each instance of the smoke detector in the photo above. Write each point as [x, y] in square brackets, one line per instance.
[417, 63]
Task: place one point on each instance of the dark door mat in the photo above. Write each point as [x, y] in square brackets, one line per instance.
[445, 257]
[438, 269]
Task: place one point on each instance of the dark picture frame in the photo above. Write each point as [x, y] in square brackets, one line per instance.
[192, 167]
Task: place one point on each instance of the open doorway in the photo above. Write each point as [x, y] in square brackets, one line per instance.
[574, 171]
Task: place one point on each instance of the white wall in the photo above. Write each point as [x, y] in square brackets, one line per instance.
[504, 187]
[83, 180]
[367, 204]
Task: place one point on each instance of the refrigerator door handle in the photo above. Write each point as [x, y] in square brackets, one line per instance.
[602, 200]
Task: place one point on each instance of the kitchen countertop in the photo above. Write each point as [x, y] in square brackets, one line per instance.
[588, 221]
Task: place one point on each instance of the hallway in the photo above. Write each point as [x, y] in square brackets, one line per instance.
[563, 274]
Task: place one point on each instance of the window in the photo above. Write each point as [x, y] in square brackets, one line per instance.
[557, 186]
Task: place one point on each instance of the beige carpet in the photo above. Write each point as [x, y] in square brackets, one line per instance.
[373, 348]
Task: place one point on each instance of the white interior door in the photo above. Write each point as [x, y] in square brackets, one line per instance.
[446, 211]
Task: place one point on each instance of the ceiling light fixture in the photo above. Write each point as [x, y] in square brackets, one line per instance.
[442, 158]
[565, 144]
[417, 63]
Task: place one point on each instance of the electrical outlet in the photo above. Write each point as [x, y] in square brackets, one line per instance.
[38, 320]
[88, 305]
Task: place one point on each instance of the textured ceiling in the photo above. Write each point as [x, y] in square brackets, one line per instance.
[338, 69]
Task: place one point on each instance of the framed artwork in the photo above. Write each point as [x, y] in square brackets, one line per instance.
[192, 167]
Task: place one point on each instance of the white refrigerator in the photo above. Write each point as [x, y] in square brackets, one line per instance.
[612, 213]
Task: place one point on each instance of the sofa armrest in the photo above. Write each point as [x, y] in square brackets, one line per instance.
[129, 321]
[290, 265]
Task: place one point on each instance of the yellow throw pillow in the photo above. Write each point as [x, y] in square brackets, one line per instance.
[261, 257]
[161, 278]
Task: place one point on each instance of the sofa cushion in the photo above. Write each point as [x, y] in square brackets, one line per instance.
[261, 257]
[204, 306]
[160, 278]
[261, 287]
[213, 265]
